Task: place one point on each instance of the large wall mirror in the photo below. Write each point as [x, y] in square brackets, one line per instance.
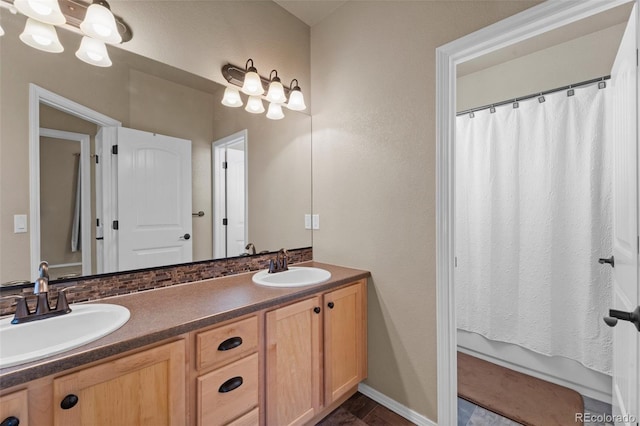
[152, 98]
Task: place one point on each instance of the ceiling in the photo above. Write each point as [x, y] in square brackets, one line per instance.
[310, 11]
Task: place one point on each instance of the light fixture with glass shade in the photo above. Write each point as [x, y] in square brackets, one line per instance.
[46, 11]
[254, 105]
[252, 84]
[296, 98]
[93, 52]
[41, 36]
[275, 111]
[275, 94]
[231, 98]
[99, 23]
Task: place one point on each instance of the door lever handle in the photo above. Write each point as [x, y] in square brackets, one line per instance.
[615, 315]
[609, 260]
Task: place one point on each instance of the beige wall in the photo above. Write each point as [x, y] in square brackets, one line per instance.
[199, 37]
[584, 58]
[373, 74]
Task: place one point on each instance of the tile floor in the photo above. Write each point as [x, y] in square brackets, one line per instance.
[360, 410]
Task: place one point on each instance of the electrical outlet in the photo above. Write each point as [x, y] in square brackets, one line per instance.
[316, 221]
[307, 221]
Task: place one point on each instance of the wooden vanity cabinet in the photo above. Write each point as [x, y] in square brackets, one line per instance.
[316, 354]
[228, 381]
[145, 388]
[15, 405]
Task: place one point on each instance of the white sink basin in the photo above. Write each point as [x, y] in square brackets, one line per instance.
[22, 343]
[296, 276]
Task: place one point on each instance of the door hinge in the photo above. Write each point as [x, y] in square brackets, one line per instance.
[97, 159]
[115, 225]
[224, 164]
[224, 222]
[455, 261]
[114, 149]
[98, 222]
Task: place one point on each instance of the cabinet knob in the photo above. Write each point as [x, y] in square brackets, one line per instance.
[231, 384]
[316, 309]
[330, 305]
[10, 421]
[69, 401]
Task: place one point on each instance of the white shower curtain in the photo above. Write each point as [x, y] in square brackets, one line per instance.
[533, 215]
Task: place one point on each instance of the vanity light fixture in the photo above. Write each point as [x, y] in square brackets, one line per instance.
[46, 11]
[254, 105]
[93, 52]
[296, 99]
[99, 23]
[93, 20]
[231, 98]
[275, 111]
[252, 84]
[275, 94]
[41, 36]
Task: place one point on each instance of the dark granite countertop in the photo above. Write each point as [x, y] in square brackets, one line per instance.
[167, 312]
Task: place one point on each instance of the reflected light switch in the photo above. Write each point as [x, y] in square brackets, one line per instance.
[19, 223]
[307, 221]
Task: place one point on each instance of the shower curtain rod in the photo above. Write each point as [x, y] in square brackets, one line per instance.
[533, 95]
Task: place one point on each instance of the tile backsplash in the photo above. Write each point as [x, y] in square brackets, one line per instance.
[99, 287]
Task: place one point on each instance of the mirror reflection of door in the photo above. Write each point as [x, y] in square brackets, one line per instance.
[230, 195]
[65, 200]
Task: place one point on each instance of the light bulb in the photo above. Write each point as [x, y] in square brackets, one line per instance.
[254, 105]
[41, 36]
[46, 11]
[275, 112]
[231, 97]
[100, 24]
[93, 52]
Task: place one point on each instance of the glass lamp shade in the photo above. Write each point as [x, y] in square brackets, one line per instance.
[46, 11]
[296, 101]
[99, 23]
[275, 112]
[275, 94]
[93, 52]
[252, 84]
[41, 36]
[254, 105]
[231, 98]
[1, 31]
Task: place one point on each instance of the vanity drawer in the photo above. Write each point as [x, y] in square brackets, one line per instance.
[228, 393]
[252, 418]
[227, 343]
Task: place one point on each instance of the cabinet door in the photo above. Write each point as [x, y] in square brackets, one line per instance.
[293, 363]
[14, 405]
[344, 340]
[146, 388]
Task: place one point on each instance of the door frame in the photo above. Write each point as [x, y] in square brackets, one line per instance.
[39, 95]
[219, 243]
[85, 184]
[539, 19]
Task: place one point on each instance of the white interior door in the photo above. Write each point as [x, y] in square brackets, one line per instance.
[235, 200]
[154, 200]
[623, 119]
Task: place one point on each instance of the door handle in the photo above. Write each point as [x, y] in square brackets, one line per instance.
[185, 237]
[609, 260]
[615, 315]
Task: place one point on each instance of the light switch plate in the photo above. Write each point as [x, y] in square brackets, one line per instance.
[316, 221]
[19, 223]
[307, 221]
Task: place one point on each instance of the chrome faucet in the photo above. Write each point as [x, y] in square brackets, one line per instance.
[43, 308]
[280, 263]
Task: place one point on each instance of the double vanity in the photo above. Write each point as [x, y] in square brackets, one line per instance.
[248, 349]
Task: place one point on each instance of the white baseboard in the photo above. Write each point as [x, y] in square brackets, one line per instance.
[395, 406]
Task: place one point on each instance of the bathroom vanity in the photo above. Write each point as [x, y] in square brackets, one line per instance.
[223, 351]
